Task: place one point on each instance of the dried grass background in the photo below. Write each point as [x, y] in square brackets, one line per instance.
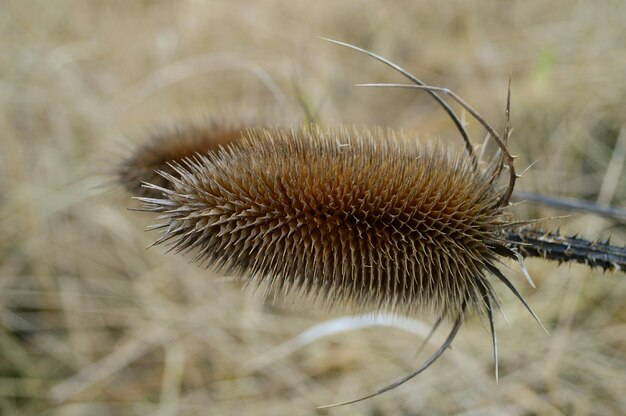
[93, 323]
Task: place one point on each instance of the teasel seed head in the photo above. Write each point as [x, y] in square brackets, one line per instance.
[351, 218]
[167, 145]
[358, 219]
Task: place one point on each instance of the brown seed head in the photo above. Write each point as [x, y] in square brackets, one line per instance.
[359, 220]
[356, 219]
[171, 145]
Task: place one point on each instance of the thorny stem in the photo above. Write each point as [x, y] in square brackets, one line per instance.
[564, 249]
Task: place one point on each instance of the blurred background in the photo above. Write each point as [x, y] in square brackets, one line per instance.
[92, 323]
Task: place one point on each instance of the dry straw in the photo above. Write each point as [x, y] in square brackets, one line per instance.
[353, 219]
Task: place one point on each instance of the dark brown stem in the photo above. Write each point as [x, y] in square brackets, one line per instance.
[553, 246]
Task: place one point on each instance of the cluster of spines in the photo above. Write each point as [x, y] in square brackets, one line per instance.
[361, 220]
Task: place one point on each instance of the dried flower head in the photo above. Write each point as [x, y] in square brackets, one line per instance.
[360, 219]
[168, 145]
[352, 218]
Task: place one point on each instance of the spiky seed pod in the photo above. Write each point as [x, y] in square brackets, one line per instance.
[354, 219]
[172, 145]
[371, 221]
